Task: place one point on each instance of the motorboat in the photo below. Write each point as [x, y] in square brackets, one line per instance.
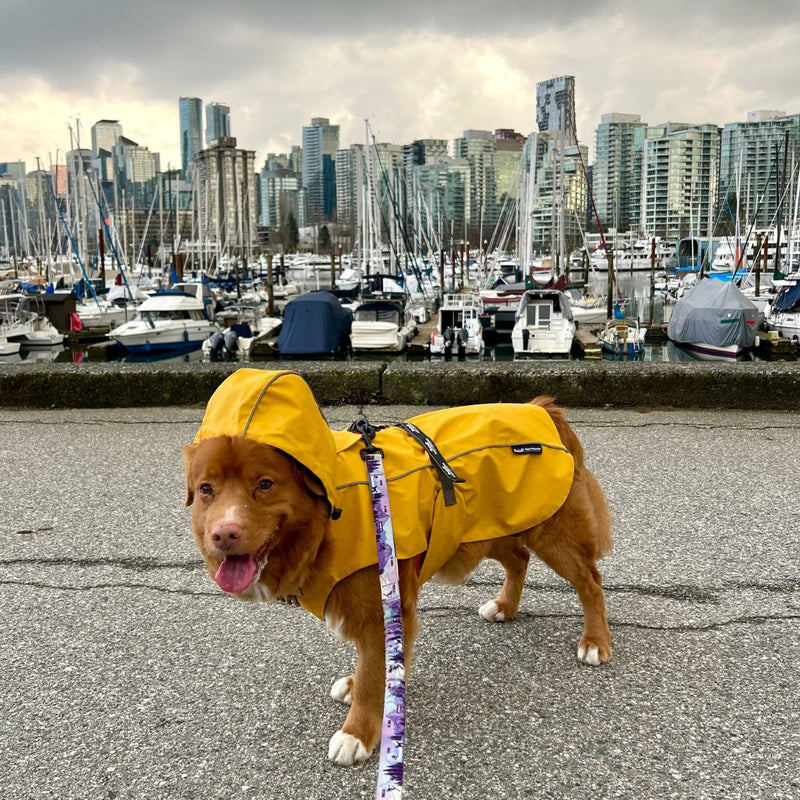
[242, 327]
[458, 328]
[381, 326]
[315, 324]
[167, 320]
[23, 319]
[100, 314]
[783, 315]
[8, 348]
[500, 303]
[543, 324]
[588, 310]
[715, 321]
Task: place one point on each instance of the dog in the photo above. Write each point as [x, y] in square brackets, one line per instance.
[281, 511]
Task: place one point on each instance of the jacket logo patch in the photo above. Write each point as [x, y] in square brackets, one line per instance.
[531, 448]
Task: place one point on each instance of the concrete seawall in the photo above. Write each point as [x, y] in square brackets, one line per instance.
[589, 384]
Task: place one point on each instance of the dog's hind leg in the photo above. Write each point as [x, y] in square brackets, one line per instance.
[512, 554]
[595, 645]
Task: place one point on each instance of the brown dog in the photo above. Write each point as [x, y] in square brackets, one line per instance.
[263, 520]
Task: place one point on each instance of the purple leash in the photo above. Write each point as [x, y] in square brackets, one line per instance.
[390, 765]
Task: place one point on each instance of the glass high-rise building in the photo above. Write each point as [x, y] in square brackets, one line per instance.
[320, 143]
[191, 120]
[218, 122]
[555, 106]
[477, 148]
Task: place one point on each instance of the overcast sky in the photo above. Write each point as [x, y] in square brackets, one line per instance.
[415, 69]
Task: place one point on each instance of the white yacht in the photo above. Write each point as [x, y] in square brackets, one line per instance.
[23, 320]
[543, 324]
[169, 320]
[458, 328]
[102, 313]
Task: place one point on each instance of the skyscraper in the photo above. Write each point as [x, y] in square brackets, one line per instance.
[104, 135]
[226, 197]
[320, 143]
[754, 163]
[477, 148]
[191, 119]
[555, 106]
[679, 179]
[218, 122]
[617, 174]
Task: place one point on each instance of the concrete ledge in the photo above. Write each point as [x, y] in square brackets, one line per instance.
[749, 385]
[746, 385]
[132, 385]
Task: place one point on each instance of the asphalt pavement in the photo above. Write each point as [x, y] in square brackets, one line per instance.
[126, 673]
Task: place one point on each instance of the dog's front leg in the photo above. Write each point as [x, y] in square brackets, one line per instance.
[361, 730]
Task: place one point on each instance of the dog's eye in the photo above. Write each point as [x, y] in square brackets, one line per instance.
[264, 484]
[206, 489]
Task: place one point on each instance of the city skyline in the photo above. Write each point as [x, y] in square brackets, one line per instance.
[431, 72]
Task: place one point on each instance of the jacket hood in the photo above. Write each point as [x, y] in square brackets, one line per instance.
[275, 408]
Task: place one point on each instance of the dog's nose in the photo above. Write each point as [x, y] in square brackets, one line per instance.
[226, 534]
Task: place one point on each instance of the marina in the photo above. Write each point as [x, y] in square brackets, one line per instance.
[587, 343]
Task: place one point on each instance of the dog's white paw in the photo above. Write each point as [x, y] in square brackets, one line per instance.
[342, 690]
[491, 612]
[589, 655]
[345, 750]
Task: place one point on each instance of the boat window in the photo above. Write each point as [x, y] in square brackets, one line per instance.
[377, 315]
[451, 318]
[538, 315]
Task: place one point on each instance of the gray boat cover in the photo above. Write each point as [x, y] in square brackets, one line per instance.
[715, 312]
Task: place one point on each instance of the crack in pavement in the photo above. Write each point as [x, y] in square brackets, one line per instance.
[435, 611]
[687, 593]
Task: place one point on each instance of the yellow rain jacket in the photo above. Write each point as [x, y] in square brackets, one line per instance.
[514, 470]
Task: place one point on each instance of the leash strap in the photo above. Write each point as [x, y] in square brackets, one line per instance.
[446, 475]
[390, 765]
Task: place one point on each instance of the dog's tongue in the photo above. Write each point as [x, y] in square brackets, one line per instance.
[236, 573]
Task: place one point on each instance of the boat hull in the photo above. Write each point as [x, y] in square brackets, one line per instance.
[439, 347]
[541, 343]
[632, 351]
[143, 340]
[711, 352]
[379, 337]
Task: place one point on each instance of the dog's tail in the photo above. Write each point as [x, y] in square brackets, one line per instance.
[566, 433]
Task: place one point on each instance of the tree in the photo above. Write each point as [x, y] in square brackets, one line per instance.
[292, 238]
[324, 239]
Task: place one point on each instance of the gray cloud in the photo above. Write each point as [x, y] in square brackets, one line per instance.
[417, 68]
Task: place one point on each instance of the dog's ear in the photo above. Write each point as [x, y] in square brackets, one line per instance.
[312, 483]
[188, 455]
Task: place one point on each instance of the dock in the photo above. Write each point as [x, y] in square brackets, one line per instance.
[420, 345]
[773, 346]
[588, 343]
